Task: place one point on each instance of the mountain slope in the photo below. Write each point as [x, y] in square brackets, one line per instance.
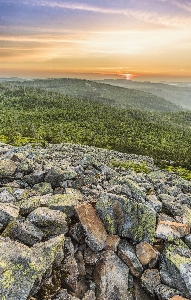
[30, 114]
[106, 94]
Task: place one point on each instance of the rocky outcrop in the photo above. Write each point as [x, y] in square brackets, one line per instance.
[74, 227]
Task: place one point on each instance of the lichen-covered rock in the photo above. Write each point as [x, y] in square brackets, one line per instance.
[126, 217]
[51, 222]
[188, 240]
[96, 234]
[176, 265]
[137, 191]
[43, 188]
[21, 266]
[27, 205]
[56, 175]
[65, 202]
[23, 231]
[111, 277]
[127, 253]
[8, 212]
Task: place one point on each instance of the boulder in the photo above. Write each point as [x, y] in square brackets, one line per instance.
[21, 266]
[23, 231]
[126, 217]
[127, 253]
[111, 278]
[147, 254]
[51, 222]
[176, 265]
[8, 212]
[96, 234]
[65, 202]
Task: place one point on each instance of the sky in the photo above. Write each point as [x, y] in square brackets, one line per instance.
[143, 40]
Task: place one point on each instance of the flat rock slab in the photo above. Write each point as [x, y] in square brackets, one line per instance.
[65, 202]
[96, 234]
[168, 230]
[111, 278]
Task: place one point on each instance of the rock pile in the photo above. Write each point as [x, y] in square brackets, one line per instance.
[72, 227]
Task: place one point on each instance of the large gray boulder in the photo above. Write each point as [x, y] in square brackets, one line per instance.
[126, 217]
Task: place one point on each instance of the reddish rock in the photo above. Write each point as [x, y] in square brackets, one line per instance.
[112, 242]
[147, 254]
[96, 234]
[178, 298]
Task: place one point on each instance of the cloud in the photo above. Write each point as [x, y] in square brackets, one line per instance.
[146, 16]
[185, 6]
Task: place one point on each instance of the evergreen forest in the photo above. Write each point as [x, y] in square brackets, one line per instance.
[45, 111]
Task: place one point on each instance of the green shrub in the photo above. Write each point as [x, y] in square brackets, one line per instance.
[139, 168]
[182, 172]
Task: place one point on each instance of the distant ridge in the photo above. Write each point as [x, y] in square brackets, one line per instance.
[107, 94]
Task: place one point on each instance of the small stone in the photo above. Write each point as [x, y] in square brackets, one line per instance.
[69, 273]
[77, 233]
[91, 257]
[150, 279]
[127, 253]
[154, 203]
[80, 262]
[147, 254]
[112, 242]
[6, 197]
[164, 292]
[89, 295]
[96, 234]
[188, 240]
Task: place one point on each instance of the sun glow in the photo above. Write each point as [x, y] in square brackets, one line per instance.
[128, 76]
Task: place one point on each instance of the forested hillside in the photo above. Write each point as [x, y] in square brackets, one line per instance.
[30, 114]
[104, 93]
[179, 94]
